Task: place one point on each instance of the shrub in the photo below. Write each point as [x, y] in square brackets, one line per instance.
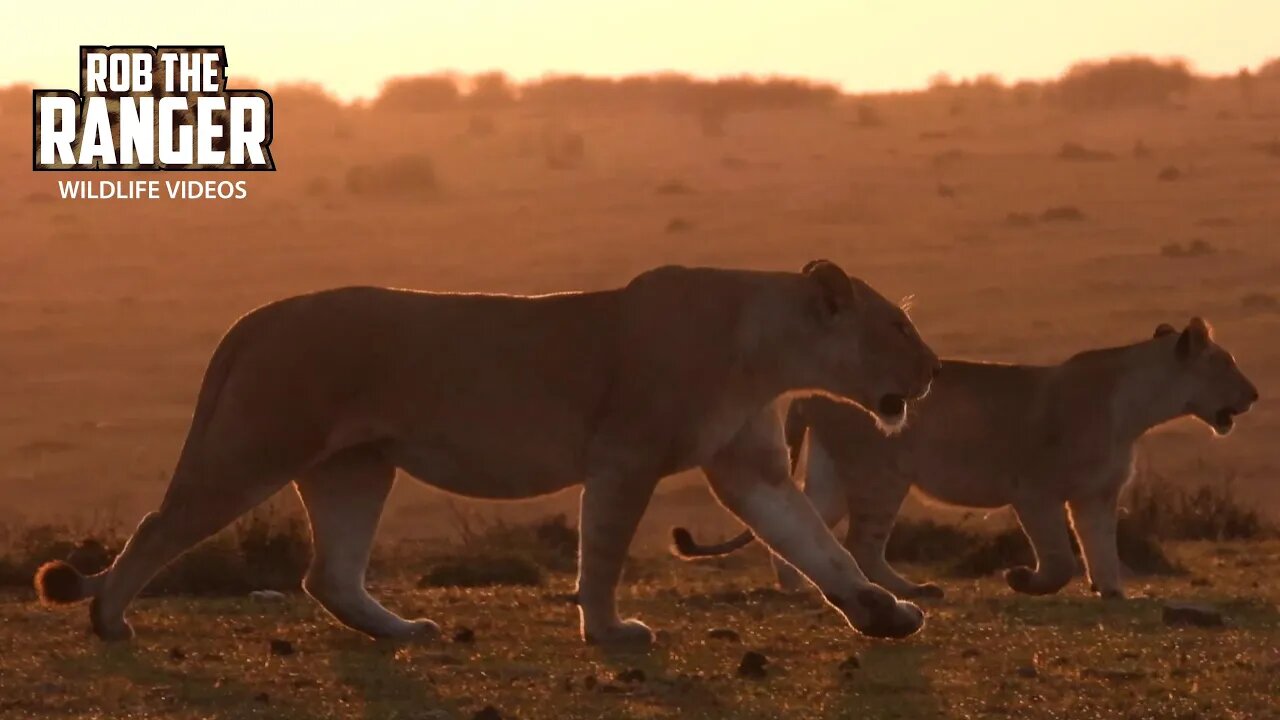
[490, 90]
[1062, 213]
[402, 175]
[265, 550]
[1210, 511]
[1195, 248]
[1121, 82]
[15, 101]
[483, 570]
[1078, 152]
[563, 149]
[419, 93]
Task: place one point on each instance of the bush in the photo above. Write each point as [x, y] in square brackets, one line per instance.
[419, 93]
[265, 550]
[563, 149]
[15, 101]
[491, 90]
[483, 570]
[1121, 82]
[1211, 511]
[403, 175]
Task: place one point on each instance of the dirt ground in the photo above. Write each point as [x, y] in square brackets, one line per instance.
[985, 653]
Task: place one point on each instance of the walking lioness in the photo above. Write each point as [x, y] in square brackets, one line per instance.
[1042, 439]
[504, 397]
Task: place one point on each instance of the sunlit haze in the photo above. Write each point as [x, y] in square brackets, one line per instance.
[863, 46]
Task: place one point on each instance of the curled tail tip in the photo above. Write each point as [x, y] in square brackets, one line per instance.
[683, 544]
[58, 583]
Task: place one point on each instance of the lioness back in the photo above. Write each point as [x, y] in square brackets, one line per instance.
[360, 364]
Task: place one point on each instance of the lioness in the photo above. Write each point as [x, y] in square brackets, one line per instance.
[1032, 437]
[504, 397]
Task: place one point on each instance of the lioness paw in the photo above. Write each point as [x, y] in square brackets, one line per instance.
[876, 613]
[626, 632]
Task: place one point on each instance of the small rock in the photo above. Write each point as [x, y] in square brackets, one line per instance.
[589, 682]
[753, 665]
[1201, 582]
[612, 689]
[634, 675]
[177, 653]
[853, 662]
[1169, 174]
[281, 647]
[969, 652]
[724, 634]
[262, 698]
[1028, 671]
[266, 596]
[1183, 613]
[464, 635]
[488, 712]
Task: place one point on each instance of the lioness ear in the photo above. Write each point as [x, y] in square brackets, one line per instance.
[1164, 329]
[1194, 339]
[835, 292]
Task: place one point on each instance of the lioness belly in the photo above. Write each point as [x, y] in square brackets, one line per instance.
[493, 475]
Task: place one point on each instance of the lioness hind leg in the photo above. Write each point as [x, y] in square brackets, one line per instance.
[866, 538]
[343, 497]
[1045, 524]
[191, 511]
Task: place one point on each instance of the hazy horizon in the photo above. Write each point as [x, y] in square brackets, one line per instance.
[859, 50]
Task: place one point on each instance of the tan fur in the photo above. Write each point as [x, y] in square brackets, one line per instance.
[1044, 440]
[505, 397]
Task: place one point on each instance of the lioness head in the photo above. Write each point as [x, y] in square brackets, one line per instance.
[862, 347]
[1216, 389]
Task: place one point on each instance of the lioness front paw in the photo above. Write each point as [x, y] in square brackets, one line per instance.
[876, 613]
[625, 632]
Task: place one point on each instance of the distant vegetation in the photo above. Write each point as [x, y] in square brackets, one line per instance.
[1121, 82]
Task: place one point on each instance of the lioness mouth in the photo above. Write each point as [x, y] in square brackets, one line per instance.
[1224, 420]
[892, 406]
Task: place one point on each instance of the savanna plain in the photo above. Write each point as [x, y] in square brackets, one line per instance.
[1026, 228]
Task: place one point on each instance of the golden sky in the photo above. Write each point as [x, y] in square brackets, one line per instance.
[350, 47]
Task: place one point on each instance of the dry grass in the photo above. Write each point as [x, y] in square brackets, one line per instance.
[984, 653]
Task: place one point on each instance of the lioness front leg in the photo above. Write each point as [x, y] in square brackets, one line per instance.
[823, 488]
[749, 476]
[1045, 524]
[611, 508]
[1094, 520]
[343, 497]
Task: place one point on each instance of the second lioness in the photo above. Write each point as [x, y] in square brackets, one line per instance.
[1042, 439]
